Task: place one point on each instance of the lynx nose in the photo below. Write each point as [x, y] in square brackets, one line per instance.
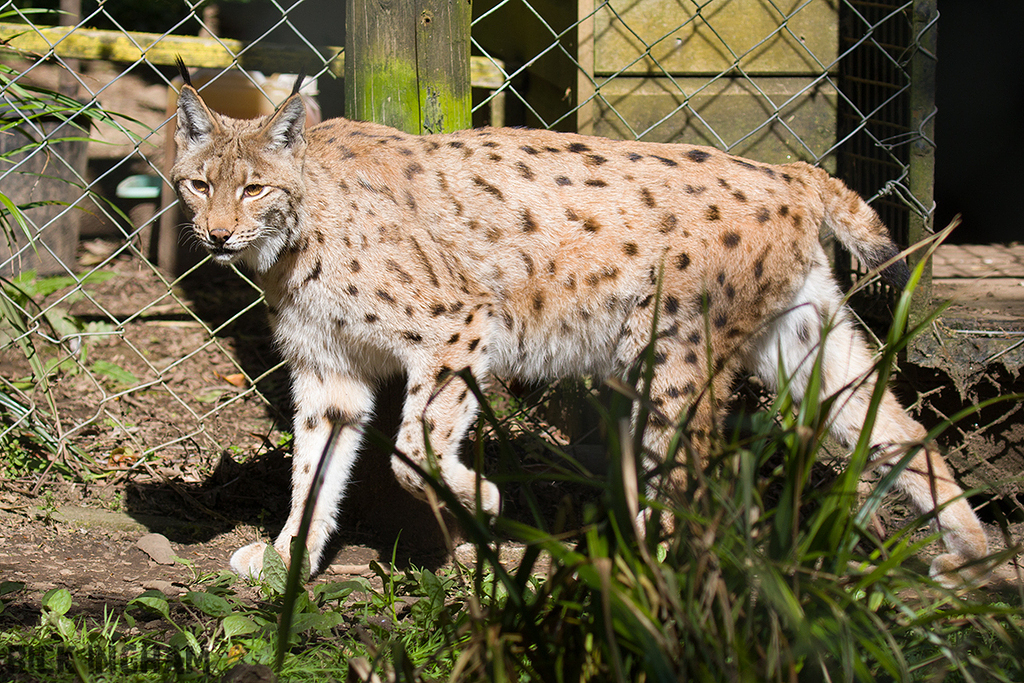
[219, 236]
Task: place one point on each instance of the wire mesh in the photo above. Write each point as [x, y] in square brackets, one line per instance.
[120, 345]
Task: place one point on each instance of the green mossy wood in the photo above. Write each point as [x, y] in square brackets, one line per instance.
[408, 64]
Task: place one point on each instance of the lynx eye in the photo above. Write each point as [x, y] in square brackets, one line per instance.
[253, 190]
[200, 186]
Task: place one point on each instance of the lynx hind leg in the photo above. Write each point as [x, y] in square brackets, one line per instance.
[687, 389]
[794, 337]
[442, 404]
[320, 403]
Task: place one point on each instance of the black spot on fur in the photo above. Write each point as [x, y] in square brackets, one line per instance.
[578, 147]
[590, 225]
[371, 318]
[762, 215]
[731, 239]
[315, 273]
[403, 276]
[739, 196]
[667, 162]
[525, 171]
[413, 337]
[595, 182]
[683, 261]
[647, 198]
[630, 249]
[634, 157]
[562, 181]
[411, 170]
[488, 188]
[671, 305]
[712, 213]
[698, 155]
[527, 222]
[668, 223]
[595, 160]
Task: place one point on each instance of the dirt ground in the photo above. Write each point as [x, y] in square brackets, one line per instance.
[185, 446]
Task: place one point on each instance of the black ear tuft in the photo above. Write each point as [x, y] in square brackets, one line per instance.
[298, 81]
[183, 70]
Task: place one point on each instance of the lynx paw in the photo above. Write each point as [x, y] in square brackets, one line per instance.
[247, 562]
[949, 571]
[490, 498]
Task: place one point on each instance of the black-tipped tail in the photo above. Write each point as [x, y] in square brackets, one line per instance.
[897, 273]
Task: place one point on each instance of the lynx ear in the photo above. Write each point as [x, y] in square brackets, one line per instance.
[195, 121]
[284, 129]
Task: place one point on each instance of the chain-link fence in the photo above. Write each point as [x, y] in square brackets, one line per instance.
[121, 349]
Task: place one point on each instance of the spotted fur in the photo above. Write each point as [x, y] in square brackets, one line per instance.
[533, 254]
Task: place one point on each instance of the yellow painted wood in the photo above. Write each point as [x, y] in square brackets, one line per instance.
[733, 108]
[117, 46]
[784, 37]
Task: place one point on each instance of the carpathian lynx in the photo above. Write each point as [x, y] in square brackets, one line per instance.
[532, 254]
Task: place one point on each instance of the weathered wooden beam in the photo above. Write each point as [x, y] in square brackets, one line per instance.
[408, 64]
[131, 46]
[69, 42]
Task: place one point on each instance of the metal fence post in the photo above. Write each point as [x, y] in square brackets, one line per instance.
[407, 64]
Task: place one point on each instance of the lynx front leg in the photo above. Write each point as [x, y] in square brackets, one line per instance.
[440, 405]
[320, 403]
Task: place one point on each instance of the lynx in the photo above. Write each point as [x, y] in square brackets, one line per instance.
[537, 255]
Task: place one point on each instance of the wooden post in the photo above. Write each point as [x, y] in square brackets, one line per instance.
[407, 64]
[922, 151]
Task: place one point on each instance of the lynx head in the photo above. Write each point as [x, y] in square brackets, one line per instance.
[240, 180]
